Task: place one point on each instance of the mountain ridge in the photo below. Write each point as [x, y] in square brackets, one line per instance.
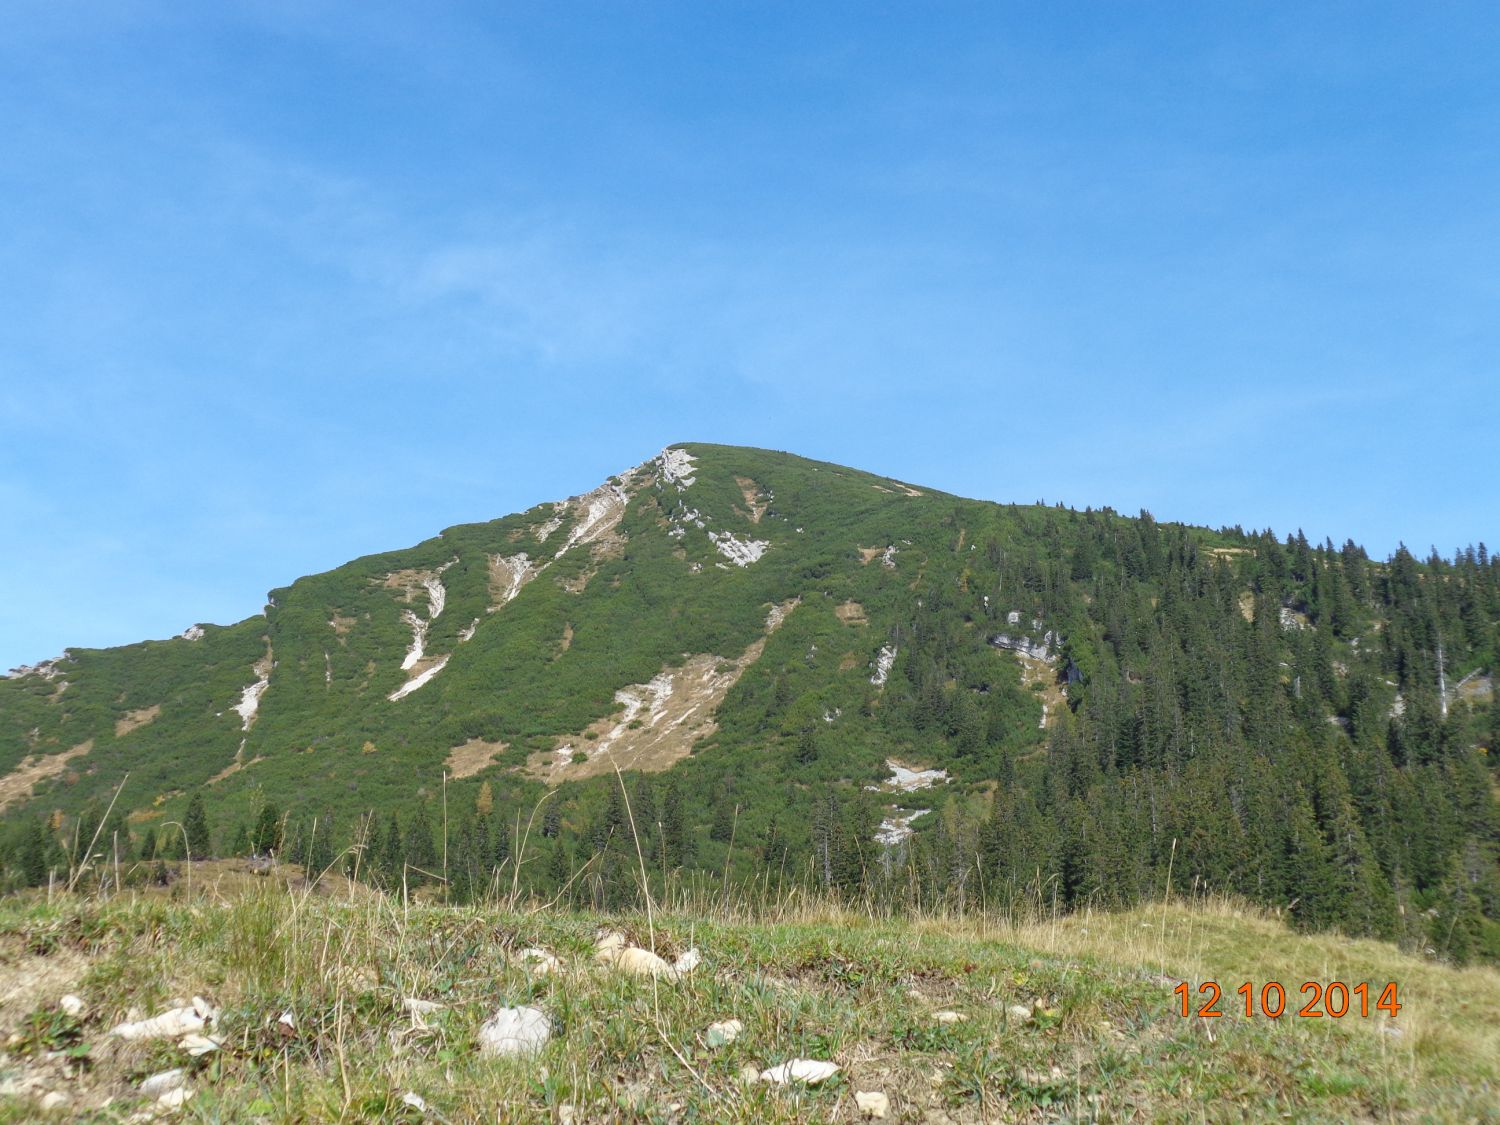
[765, 635]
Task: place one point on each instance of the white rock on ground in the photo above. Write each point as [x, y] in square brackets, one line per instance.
[909, 780]
[613, 950]
[514, 1031]
[896, 829]
[163, 1082]
[741, 552]
[175, 1099]
[947, 1016]
[71, 1005]
[677, 467]
[872, 1103]
[195, 1044]
[1019, 1012]
[249, 702]
[538, 962]
[883, 664]
[600, 510]
[171, 1024]
[415, 682]
[807, 1071]
[54, 1101]
[723, 1032]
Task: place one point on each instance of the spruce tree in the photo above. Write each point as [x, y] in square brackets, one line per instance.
[34, 853]
[266, 836]
[199, 844]
[392, 853]
[420, 851]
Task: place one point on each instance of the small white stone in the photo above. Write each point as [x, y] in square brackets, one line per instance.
[53, 1101]
[71, 1005]
[1019, 1012]
[807, 1071]
[538, 962]
[514, 1031]
[416, 1101]
[175, 1099]
[196, 1045]
[163, 1081]
[947, 1016]
[724, 1032]
[872, 1103]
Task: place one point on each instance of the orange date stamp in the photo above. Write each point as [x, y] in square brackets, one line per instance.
[1333, 1000]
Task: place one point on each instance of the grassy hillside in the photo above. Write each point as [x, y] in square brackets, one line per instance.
[1102, 1041]
[760, 644]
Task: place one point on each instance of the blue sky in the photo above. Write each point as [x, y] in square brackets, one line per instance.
[288, 283]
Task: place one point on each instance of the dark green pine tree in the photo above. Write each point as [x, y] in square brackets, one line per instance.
[808, 745]
[721, 828]
[497, 849]
[1307, 877]
[147, 850]
[199, 841]
[1457, 929]
[420, 851]
[676, 838]
[464, 860]
[319, 855]
[266, 836]
[360, 858]
[34, 853]
[647, 818]
[552, 822]
[392, 855]
[558, 866]
[85, 830]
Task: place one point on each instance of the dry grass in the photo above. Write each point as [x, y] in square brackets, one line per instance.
[807, 977]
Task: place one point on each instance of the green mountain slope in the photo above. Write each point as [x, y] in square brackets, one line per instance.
[753, 639]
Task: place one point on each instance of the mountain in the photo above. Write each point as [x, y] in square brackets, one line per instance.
[809, 673]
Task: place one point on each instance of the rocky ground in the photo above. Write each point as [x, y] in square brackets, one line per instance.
[274, 1004]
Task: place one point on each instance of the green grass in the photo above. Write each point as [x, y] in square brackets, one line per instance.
[1105, 1043]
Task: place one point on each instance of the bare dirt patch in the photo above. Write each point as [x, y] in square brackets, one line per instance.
[474, 755]
[850, 613]
[28, 981]
[1052, 694]
[342, 626]
[656, 723]
[754, 499]
[134, 720]
[567, 638]
[1247, 606]
[848, 662]
[1229, 552]
[869, 554]
[20, 782]
[234, 767]
[408, 583]
[508, 575]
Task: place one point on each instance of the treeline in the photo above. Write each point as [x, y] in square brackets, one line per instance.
[1247, 715]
